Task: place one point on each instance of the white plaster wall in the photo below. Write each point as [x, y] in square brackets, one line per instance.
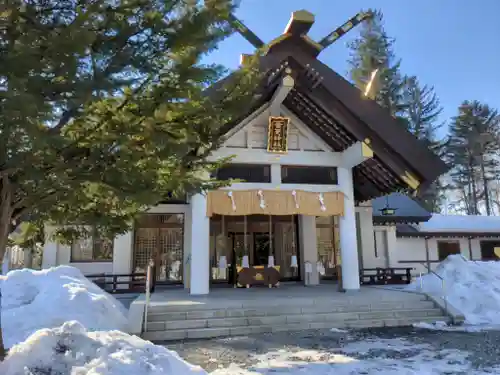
[412, 249]
[94, 267]
[308, 248]
[87, 268]
[385, 238]
[368, 259]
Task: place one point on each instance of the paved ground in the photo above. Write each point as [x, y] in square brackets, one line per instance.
[454, 352]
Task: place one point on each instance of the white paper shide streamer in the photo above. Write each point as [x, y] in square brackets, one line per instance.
[222, 262]
[261, 197]
[294, 262]
[230, 195]
[294, 193]
[244, 262]
[270, 261]
[320, 267]
[322, 201]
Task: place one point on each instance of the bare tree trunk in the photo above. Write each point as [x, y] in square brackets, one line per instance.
[475, 207]
[485, 187]
[5, 225]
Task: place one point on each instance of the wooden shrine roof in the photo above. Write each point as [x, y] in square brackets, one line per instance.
[339, 113]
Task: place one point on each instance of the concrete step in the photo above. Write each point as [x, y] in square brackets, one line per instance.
[156, 325]
[161, 314]
[206, 318]
[199, 333]
[410, 299]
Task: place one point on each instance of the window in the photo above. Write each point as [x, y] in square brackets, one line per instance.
[92, 249]
[488, 250]
[160, 237]
[446, 248]
[245, 172]
[308, 175]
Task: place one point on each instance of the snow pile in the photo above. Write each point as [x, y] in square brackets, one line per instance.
[32, 300]
[71, 350]
[471, 287]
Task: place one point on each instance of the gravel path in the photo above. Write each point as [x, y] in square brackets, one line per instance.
[483, 347]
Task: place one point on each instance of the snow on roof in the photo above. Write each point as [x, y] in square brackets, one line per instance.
[461, 223]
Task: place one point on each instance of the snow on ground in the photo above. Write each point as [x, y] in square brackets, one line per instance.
[471, 287]
[32, 300]
[370, 357]
[71, 350]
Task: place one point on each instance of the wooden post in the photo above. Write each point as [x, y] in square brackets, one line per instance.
[427, 260]
[339, 276]
[470, 248]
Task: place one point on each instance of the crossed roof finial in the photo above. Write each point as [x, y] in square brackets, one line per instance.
[299, 25]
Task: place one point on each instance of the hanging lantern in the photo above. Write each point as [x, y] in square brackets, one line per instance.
[388, 210]
[320, 268]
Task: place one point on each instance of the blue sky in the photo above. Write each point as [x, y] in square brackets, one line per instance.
[453, 45]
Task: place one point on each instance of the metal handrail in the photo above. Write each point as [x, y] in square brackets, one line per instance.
[429, 270]
[443, 285]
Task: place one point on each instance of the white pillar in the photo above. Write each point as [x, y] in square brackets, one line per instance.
[276, 174]
[49, 255]
[309, 248]
[348, 234]
[391, 246]
[123, 252]
[200, 251]
[186, 275]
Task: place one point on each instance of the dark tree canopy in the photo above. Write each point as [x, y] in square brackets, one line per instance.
[103, 110]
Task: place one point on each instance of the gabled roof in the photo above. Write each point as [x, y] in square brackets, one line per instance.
[407, 210]
[339, 113]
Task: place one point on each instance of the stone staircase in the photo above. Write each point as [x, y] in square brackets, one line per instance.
[179, 321]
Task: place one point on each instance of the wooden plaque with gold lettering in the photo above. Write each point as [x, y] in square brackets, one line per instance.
[277, 136]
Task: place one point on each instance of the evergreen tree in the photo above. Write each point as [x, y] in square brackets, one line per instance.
[373, 49]
[473, 151]
[103, 110]
[416, 107]
[422, 111]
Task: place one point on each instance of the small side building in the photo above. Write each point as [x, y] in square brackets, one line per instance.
[414, 237]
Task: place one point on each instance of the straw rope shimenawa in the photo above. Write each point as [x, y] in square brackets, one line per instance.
[277, 202]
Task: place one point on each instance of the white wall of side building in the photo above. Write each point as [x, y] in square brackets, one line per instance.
[402, 252]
